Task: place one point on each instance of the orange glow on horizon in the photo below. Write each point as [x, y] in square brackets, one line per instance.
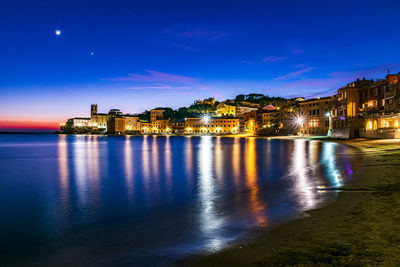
[26, 125]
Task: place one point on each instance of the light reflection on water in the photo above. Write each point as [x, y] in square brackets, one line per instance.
[146, 199]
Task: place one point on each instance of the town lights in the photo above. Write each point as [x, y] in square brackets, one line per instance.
[206, 119]
[327, 114]
[299, 121]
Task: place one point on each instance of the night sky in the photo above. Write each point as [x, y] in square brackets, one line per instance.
[137, 55]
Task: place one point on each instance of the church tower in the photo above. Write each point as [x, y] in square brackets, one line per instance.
[93, 110]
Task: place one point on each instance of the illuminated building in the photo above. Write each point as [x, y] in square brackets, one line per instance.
[372, 97]
[347, 122]
[156, 114]
[145, 127]
[78, 123]
[132, 123]
[385, 126]
[225, 110]
[277, 120]
[392, 94]
[212, 125]
[316, 115]
[98, 120]
[160, 126]
[251, 126]
[241, 110]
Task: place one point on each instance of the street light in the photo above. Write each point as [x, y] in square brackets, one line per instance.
[300, 121]
[206, 119]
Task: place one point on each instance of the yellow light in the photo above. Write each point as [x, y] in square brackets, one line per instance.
[369, 125]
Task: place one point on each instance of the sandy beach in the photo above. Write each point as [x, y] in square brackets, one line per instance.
[361, 228]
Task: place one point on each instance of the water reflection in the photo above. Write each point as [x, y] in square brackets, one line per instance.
[152, 193]
[188, 156]
[146, 163]
[155, 173]
[81, 170]
[210, 222]
[257, 206]
[328, 158]
[128, 160]
[218, 160]
[303, 185]
[168, 163]
[63, 170]
[236, 160]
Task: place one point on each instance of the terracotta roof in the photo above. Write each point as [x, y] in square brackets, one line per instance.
[269, 108]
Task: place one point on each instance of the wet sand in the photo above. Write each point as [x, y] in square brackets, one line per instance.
[361, 228]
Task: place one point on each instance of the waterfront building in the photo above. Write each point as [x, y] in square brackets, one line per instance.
[132, 123]
[383, 126]
[392, 94]
[156, 114]
[386, 124]
[160, 126]
[348, 123]
[372, 97]
[145, 127]
[225, 110]
[98, 120]
[78, 123]
[251, 126]
[316, 115]
[269, 118]
[178, 127]
[116, 125]
[216, 125]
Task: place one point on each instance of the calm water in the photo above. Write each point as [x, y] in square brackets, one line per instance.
[152, 200]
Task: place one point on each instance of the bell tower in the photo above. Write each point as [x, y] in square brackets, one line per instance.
[93, 110]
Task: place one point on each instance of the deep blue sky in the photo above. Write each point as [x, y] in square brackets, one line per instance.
[169, 53]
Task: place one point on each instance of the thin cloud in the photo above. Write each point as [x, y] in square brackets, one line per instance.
[299, 66]
[201, 33]
[297, 51]
[155, 76]
[187, 47]
[160, 87]
[274, 59]
[294, 74]
[246, 62]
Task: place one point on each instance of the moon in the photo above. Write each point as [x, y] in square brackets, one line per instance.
[57, 32]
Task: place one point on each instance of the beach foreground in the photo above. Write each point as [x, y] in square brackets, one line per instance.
[360, 228]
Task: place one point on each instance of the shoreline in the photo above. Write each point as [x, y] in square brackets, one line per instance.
[359, 228]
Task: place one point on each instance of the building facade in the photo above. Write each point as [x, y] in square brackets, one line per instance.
[156, 114]
[212, 126]
[225, 110]
[316, 115]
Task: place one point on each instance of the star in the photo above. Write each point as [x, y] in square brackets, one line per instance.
[57, 32]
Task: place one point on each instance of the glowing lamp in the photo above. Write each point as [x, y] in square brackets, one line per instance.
[206, 119]
[299, 121]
